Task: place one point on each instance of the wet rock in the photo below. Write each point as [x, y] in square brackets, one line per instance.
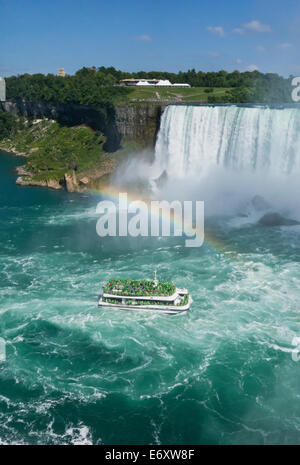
[53, 184]
[84, 180]
[161, 180]
[275, 219]
[28, 181]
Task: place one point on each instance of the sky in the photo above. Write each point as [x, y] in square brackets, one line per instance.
[40, 36]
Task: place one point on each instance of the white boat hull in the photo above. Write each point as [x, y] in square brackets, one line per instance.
[168, 309]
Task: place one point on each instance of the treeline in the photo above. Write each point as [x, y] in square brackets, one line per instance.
[86, 86]
[221, 78]
[99, 86]
[264, 88]
[245, 87]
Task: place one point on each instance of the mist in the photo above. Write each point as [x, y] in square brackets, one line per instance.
[225, 156]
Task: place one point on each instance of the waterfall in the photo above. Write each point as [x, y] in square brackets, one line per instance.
[193, 139]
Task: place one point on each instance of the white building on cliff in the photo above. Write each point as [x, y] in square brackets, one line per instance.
[2, 90]
[150, 82]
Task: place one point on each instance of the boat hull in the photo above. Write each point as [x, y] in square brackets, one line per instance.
[167, 309]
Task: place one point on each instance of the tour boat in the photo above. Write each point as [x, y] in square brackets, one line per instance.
[163, 297]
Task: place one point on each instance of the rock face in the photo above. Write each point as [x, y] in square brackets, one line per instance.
[27, 181]
[139, 121]
[22, 171]
[275, 219]
[71, 182]
[53, 184]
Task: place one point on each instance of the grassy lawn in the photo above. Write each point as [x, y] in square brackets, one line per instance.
[168, 93]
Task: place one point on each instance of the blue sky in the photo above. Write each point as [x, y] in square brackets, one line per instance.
[43, 35]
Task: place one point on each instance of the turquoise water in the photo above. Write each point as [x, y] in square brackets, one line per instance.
[220, 374]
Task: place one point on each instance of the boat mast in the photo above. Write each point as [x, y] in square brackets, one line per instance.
[155, 278]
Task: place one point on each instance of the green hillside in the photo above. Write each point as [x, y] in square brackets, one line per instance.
[198, 94]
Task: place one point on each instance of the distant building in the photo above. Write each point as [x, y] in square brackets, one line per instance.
[61, 72]
[150, 82]
[144, 83]
[140, 82]
[181, 85]
[164, 83]
[2, 90]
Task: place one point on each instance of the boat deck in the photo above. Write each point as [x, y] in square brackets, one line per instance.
[159, 303]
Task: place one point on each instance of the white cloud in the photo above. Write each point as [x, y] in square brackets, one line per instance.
[253, 26]
[239, 61]
[252, 68]
[144, 38]
[257, 26]
[238, 30]
[285, 45]
[217, 30]
[260, 48]
[213, 54]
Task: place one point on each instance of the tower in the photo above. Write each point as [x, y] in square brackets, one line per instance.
[61, 72]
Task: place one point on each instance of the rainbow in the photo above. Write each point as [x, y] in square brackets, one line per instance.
[210, 240]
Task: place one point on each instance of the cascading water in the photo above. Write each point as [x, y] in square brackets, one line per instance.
[193, 139]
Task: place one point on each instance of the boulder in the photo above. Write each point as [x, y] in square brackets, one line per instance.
[53, 184]
[161, 180]
[275, 219]
[84, 180]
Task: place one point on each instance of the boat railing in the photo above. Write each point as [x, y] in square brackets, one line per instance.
[161, 298]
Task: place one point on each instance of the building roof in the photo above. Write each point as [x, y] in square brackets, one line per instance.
[181, 85]
[139, 80]
[165, 82]
[144, 83]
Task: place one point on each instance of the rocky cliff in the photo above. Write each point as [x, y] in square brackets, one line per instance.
[138, 122]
